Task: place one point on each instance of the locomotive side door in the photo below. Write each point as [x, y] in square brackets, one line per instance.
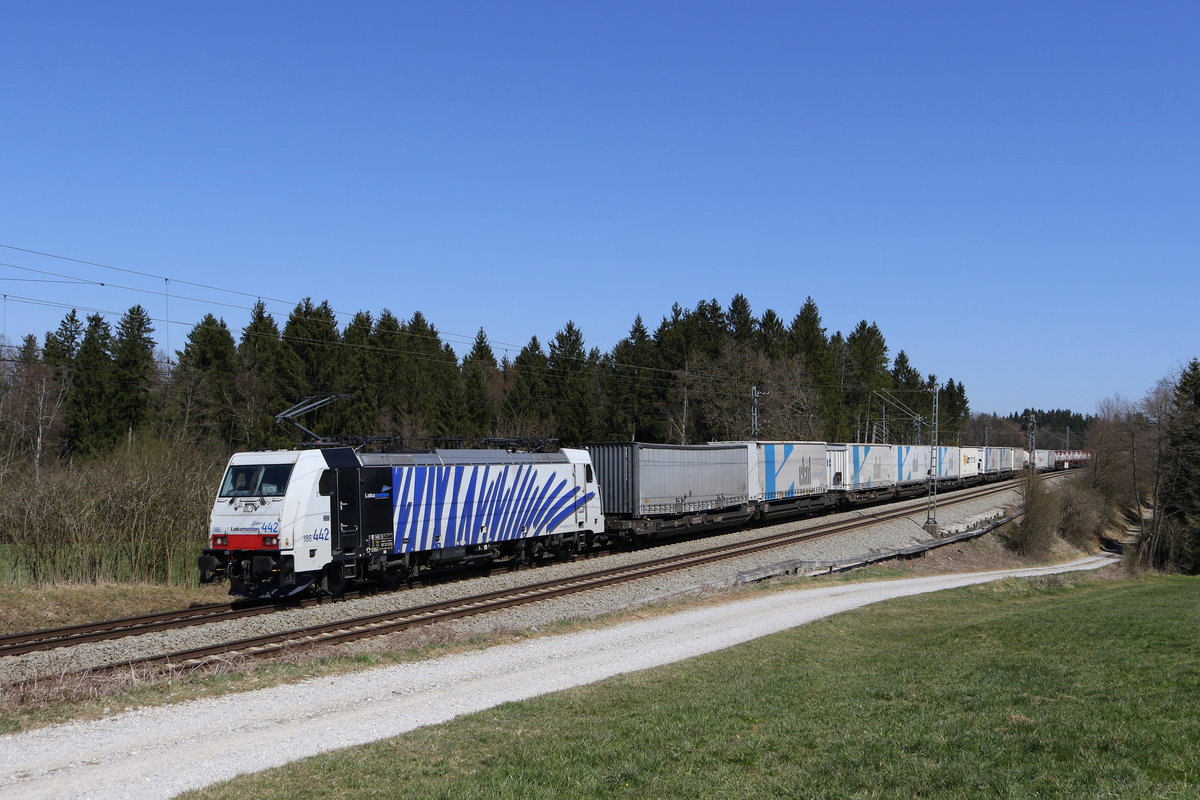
[583, 479]
[346, 514]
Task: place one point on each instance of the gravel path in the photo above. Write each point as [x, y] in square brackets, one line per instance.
[878, 537]
[159, 752]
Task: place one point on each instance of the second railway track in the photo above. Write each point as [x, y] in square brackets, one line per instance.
[33, 641]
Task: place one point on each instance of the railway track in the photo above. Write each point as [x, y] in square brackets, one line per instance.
[405, 619]
[47, 639]
[19, 643]
[31, 642]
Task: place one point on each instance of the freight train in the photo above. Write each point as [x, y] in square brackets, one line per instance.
[295, 521]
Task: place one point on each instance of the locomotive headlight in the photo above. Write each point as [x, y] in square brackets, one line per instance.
[219, 541]
[270, 541]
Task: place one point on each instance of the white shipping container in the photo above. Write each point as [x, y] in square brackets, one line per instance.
[971, 458]
[788, 469]
[861, 466]
[949, 465]
[912, 463]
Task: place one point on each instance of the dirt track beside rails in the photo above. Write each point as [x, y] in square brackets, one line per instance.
[159, 752]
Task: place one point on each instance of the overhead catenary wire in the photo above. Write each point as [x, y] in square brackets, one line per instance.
[437, 335]
[669, 377]
[258, 296]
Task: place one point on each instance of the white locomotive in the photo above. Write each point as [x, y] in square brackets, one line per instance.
[284, 521]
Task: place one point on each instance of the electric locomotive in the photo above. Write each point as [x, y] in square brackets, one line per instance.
[289, 521]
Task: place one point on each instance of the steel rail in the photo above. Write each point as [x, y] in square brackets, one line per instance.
[50, 638]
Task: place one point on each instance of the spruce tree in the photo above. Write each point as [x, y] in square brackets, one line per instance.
[135, 370]
[91, 428]
[707, 327]
[267, 374]
[62, 345]
[430, 393]
[772, 335]
[203, 383]
[909, 388]
[479, 377]
[633, 387]
[839, 426]
[1175, 540]
[527, 404]
[387, 373]
[742, 325]
[357, 377]
[809, 340]
[953, 411]
[868, 365]
[311, 335]
[571, 386]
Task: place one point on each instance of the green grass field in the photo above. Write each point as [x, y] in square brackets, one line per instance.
[1072, 687]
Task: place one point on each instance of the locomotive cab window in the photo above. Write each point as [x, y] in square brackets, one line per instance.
[256, 480]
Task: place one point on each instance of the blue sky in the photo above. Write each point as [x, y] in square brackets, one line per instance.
[1010, 190]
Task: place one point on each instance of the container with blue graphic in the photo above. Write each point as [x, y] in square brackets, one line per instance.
[858, 467]
[912, 463]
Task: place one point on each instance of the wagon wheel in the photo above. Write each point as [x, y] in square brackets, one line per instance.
[397, 576]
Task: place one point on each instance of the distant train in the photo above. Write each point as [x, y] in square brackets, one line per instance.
[291, 521]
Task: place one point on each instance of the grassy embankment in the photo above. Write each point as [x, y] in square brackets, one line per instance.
[1060, 687]
[30, 608]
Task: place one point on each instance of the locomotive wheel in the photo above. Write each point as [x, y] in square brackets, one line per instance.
[333, 581]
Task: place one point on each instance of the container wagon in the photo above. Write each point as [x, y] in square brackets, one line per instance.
[650, 489]
[861, 471]
[912, 468]
[786, 477]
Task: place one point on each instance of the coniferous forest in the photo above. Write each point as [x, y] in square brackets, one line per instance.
[695, 377]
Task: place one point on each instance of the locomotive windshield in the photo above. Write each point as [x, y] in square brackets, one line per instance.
[257, 480]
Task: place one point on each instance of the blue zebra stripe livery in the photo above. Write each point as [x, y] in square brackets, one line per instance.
[453, 506]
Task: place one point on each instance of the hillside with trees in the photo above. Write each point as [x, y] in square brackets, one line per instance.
[111, 449]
